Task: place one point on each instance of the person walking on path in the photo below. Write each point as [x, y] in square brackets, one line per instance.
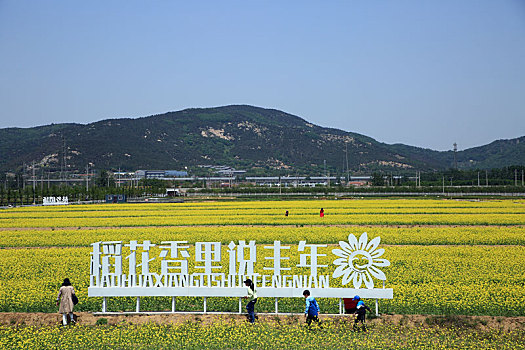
[252, 295]
[65, 298]
[321, 213]
[360, 316]
[312, 309]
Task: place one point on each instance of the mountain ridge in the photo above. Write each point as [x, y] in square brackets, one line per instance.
[236, 135]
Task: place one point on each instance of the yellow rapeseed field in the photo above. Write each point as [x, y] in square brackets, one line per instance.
[230, 335]
[366, 212]
[448, 257]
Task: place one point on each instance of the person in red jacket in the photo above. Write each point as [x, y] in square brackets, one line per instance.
[321, 213]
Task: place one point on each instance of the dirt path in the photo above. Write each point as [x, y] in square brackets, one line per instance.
[179, 226]
[87, 318]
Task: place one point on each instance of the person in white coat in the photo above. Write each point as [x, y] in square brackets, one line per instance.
[65, 299]
[252, 296]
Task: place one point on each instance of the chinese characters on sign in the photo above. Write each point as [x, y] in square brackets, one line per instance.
[179, 264]
[55, 200]
[174, 258]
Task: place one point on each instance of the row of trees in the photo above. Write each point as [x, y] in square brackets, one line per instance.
[13, 191]
[28, 195]
[508, 176]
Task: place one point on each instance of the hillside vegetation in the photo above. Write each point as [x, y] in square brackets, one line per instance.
[242, 136]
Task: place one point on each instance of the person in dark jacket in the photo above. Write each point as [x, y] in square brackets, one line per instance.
[360, 313]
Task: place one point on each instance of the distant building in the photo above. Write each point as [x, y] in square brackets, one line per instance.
[173, 192]
[360, 181]
[159, 174]
[290, 181]
[230, 172]
[223, 170]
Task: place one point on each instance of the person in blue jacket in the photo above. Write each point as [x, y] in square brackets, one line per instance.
[312, 309]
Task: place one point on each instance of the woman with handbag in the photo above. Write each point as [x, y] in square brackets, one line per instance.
[65, 298]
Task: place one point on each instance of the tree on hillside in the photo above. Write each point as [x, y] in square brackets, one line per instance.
[104, 179]
[377, 179]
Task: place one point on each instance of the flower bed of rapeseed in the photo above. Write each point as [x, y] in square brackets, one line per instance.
[467, 269]
[443, 235]
[469, 280]
[231, 335]
[337, 212]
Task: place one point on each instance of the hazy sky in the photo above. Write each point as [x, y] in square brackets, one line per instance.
[423, 73]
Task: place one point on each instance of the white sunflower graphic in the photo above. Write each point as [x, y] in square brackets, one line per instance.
[359, 261]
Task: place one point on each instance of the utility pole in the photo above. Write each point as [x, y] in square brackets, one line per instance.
[325, 171]
[516, 177]
[33, 166]
[486, 178]
[443, 184]
[455, 157]
[478, 178]
[347, 169]
[522, 178]
[63, 160]
[87, 177]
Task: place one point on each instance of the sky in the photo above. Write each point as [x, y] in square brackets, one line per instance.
[421, 73]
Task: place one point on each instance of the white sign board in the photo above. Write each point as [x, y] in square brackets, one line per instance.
[56, 200]
[176, 268]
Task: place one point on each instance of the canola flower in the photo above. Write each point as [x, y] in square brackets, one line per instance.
[264, 335]
[365, 212]
[419, 235]
[479, 280]
[467, 269]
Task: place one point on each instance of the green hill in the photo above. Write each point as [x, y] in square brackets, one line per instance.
[242, 136]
